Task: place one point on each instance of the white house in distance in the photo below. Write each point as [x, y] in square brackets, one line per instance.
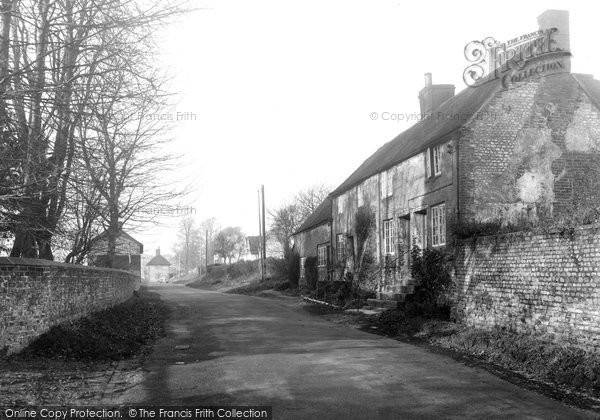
[158, 268]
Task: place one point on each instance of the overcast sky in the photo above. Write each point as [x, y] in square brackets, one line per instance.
[282, 91]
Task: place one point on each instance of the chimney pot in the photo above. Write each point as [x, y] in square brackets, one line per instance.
[428, 79]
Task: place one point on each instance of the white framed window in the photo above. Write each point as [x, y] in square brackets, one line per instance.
[388, 237]
[359, 195]
[438, 225]
[341, 204]
[341, 246]
[302, 262]
[387, 183]
[433, 161]
[436, 160]
[322, 255]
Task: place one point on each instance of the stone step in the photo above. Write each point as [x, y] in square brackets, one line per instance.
[383, 303]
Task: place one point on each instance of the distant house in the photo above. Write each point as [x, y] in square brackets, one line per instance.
[158, 268]
[128, 251]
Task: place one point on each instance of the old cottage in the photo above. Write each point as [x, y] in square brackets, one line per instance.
[313, 239]
[128, 251]
[519, 146]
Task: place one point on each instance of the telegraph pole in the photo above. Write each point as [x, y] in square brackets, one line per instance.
[264, 235]
[206, 251]
[260, 256]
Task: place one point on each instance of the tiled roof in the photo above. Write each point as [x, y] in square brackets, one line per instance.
[423, 134]
[158, 260]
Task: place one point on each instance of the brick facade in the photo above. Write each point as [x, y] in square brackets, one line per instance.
[545, 284]
[37, 294]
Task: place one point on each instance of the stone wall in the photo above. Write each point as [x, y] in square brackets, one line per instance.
[546, 284]
[536, 155]
[38, 294]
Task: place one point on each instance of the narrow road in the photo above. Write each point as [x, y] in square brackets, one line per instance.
[255, 351]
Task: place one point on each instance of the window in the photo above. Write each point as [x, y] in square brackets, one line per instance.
[341, 247]
[388, 237]
[436, 160]
[438, 225]
[433, 161]
[359, 195]
[322, 255]
[341, 204]
[302, 262]
[387, 183]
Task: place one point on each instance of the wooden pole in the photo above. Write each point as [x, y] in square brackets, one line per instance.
[260, 256]
[264, 235]
[206, 252]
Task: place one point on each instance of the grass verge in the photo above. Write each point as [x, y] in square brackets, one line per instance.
[259, 286]
[117, 333]
[530, 355]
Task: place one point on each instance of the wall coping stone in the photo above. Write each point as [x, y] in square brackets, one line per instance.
[35, 262]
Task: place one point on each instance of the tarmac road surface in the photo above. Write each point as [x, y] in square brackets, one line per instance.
[254, 351]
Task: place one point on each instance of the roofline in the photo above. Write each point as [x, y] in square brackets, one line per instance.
[576, 76]
[440, 138]
[312, 226]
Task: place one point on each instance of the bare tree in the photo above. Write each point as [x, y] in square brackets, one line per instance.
[309, 199]
[189, 243]
[286, 219]
[52, 57]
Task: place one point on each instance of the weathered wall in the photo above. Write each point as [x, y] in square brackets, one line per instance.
[36, 295]
[546, 284]
[533, 156]
[305, 243]
[412, 192]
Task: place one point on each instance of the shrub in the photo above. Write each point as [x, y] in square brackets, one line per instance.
[294, 269]
[430, 269]
[242, 269]
[311, 272]
[277, 268]
[364, 226]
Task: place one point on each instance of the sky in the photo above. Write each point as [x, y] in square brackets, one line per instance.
[282, 93]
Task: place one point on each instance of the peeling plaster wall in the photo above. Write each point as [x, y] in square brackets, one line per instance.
[544, 284]
[527, 159]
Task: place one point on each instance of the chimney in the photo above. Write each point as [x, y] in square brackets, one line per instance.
[158, 251]
[432, 96]
[558, 19]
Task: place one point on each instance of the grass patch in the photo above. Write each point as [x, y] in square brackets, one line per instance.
[258, 286]
[117, 333]
[528, 354]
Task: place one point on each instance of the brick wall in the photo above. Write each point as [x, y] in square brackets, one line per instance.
[546, 284]
[37, 294]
